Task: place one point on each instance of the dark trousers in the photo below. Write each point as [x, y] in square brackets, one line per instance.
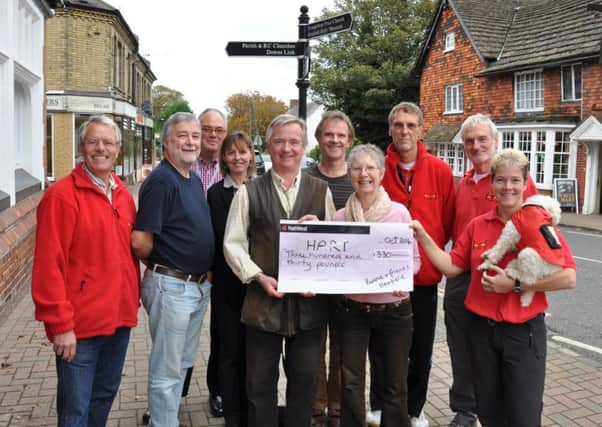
[390, 332]
[212, 363]
[377, 376]
[457, 321]
[301, 363]
[232, 362]
[509, 362]
[87, 385]
[328, 388]
[424, 310]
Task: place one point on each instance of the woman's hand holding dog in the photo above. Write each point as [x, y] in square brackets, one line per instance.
[498, 282]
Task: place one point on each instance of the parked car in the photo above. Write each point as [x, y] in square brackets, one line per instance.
[259, 163]
[267, 161]
[307, 162]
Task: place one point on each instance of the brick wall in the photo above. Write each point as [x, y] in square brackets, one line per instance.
[17, 240]
[63, 144]
[592, 89]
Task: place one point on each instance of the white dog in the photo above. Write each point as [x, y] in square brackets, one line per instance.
[531, 231]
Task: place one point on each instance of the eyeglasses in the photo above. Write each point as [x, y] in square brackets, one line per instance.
[97, 142]
[210, 130]
[399, 126]
[360, 169]
[294, 143]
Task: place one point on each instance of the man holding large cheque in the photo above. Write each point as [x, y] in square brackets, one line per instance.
[270, 316]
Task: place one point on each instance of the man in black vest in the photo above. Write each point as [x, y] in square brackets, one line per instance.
[251, 250]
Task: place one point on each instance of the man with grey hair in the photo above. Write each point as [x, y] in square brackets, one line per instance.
[425, 185]
[85, 281]
[173, 236]
[270, 316]
[474, 197]
[213, 133]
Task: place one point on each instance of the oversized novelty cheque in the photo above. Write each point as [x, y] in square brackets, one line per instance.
[332, 257]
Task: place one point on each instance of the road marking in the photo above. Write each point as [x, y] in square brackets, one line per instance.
[579, 233]
[577, 344]
[587, 259]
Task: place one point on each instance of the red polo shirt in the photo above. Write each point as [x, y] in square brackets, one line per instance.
[476, 198]
[480, 235]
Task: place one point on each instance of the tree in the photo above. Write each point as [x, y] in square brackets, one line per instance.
[365, 71]
[168, 110]
[261, 109]
[164, 96]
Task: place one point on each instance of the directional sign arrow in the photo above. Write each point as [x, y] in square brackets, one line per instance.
[336, 24]
[265, 48]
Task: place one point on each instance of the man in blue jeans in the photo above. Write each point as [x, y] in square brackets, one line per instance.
[85, 282]
[174, 237]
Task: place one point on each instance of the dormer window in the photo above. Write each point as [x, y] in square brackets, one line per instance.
[450, 41]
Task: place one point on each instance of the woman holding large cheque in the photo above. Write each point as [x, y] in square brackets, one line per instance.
[507, 340]
[385, 319]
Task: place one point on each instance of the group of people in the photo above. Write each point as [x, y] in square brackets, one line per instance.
[206, 231]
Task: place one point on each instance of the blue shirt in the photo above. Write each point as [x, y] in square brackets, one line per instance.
[175, 210]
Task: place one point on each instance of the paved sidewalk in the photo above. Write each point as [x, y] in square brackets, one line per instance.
[573, 395]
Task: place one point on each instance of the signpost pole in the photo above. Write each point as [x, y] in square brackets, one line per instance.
[302, 70]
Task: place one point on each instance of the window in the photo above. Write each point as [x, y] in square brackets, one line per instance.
[561, 155]
[450, 41]
[548, 151]
[540, 158]
[454, 99]
[453, 154]
[528, 91]
[49, 147]
[571, 82]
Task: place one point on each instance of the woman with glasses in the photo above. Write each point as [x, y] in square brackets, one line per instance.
[383, 318]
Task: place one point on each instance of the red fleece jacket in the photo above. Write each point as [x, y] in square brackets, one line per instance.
[84, 275]
[429, 195]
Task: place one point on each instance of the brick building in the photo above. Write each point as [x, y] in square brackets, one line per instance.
[94, 67]
[534, 67]
[22, 143]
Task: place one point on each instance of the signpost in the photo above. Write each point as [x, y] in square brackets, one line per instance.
[333, 25]
[264, 49]
[300, 48]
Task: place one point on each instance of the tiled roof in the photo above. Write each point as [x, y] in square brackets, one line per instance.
[487, 23]
[441, 133]
[550, 32]
[510, 35]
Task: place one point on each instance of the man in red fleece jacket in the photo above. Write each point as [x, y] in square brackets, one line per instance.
[425, 185]
[85, 282]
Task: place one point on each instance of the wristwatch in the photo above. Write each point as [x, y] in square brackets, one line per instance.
[517, 286]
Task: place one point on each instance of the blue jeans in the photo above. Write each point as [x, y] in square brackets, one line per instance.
[175, 315]
[87, 385]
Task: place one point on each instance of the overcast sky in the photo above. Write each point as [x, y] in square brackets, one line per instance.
[185, 41]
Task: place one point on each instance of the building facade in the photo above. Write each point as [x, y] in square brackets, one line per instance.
[22, 144]
[94, 67]
[534, 67]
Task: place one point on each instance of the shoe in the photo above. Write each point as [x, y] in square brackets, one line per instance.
[334, 421]
[318, 420]
[215, 405]
[464, 420]
[419, 421]
[373, 418]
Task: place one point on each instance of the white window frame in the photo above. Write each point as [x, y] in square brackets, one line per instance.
[573, 97]
[455, 160]
[542, 155]
[523, 86]
[454, 99]
[450, 41]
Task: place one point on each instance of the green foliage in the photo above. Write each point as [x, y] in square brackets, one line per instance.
[314, 153]
[366, 71]
[168, 110]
